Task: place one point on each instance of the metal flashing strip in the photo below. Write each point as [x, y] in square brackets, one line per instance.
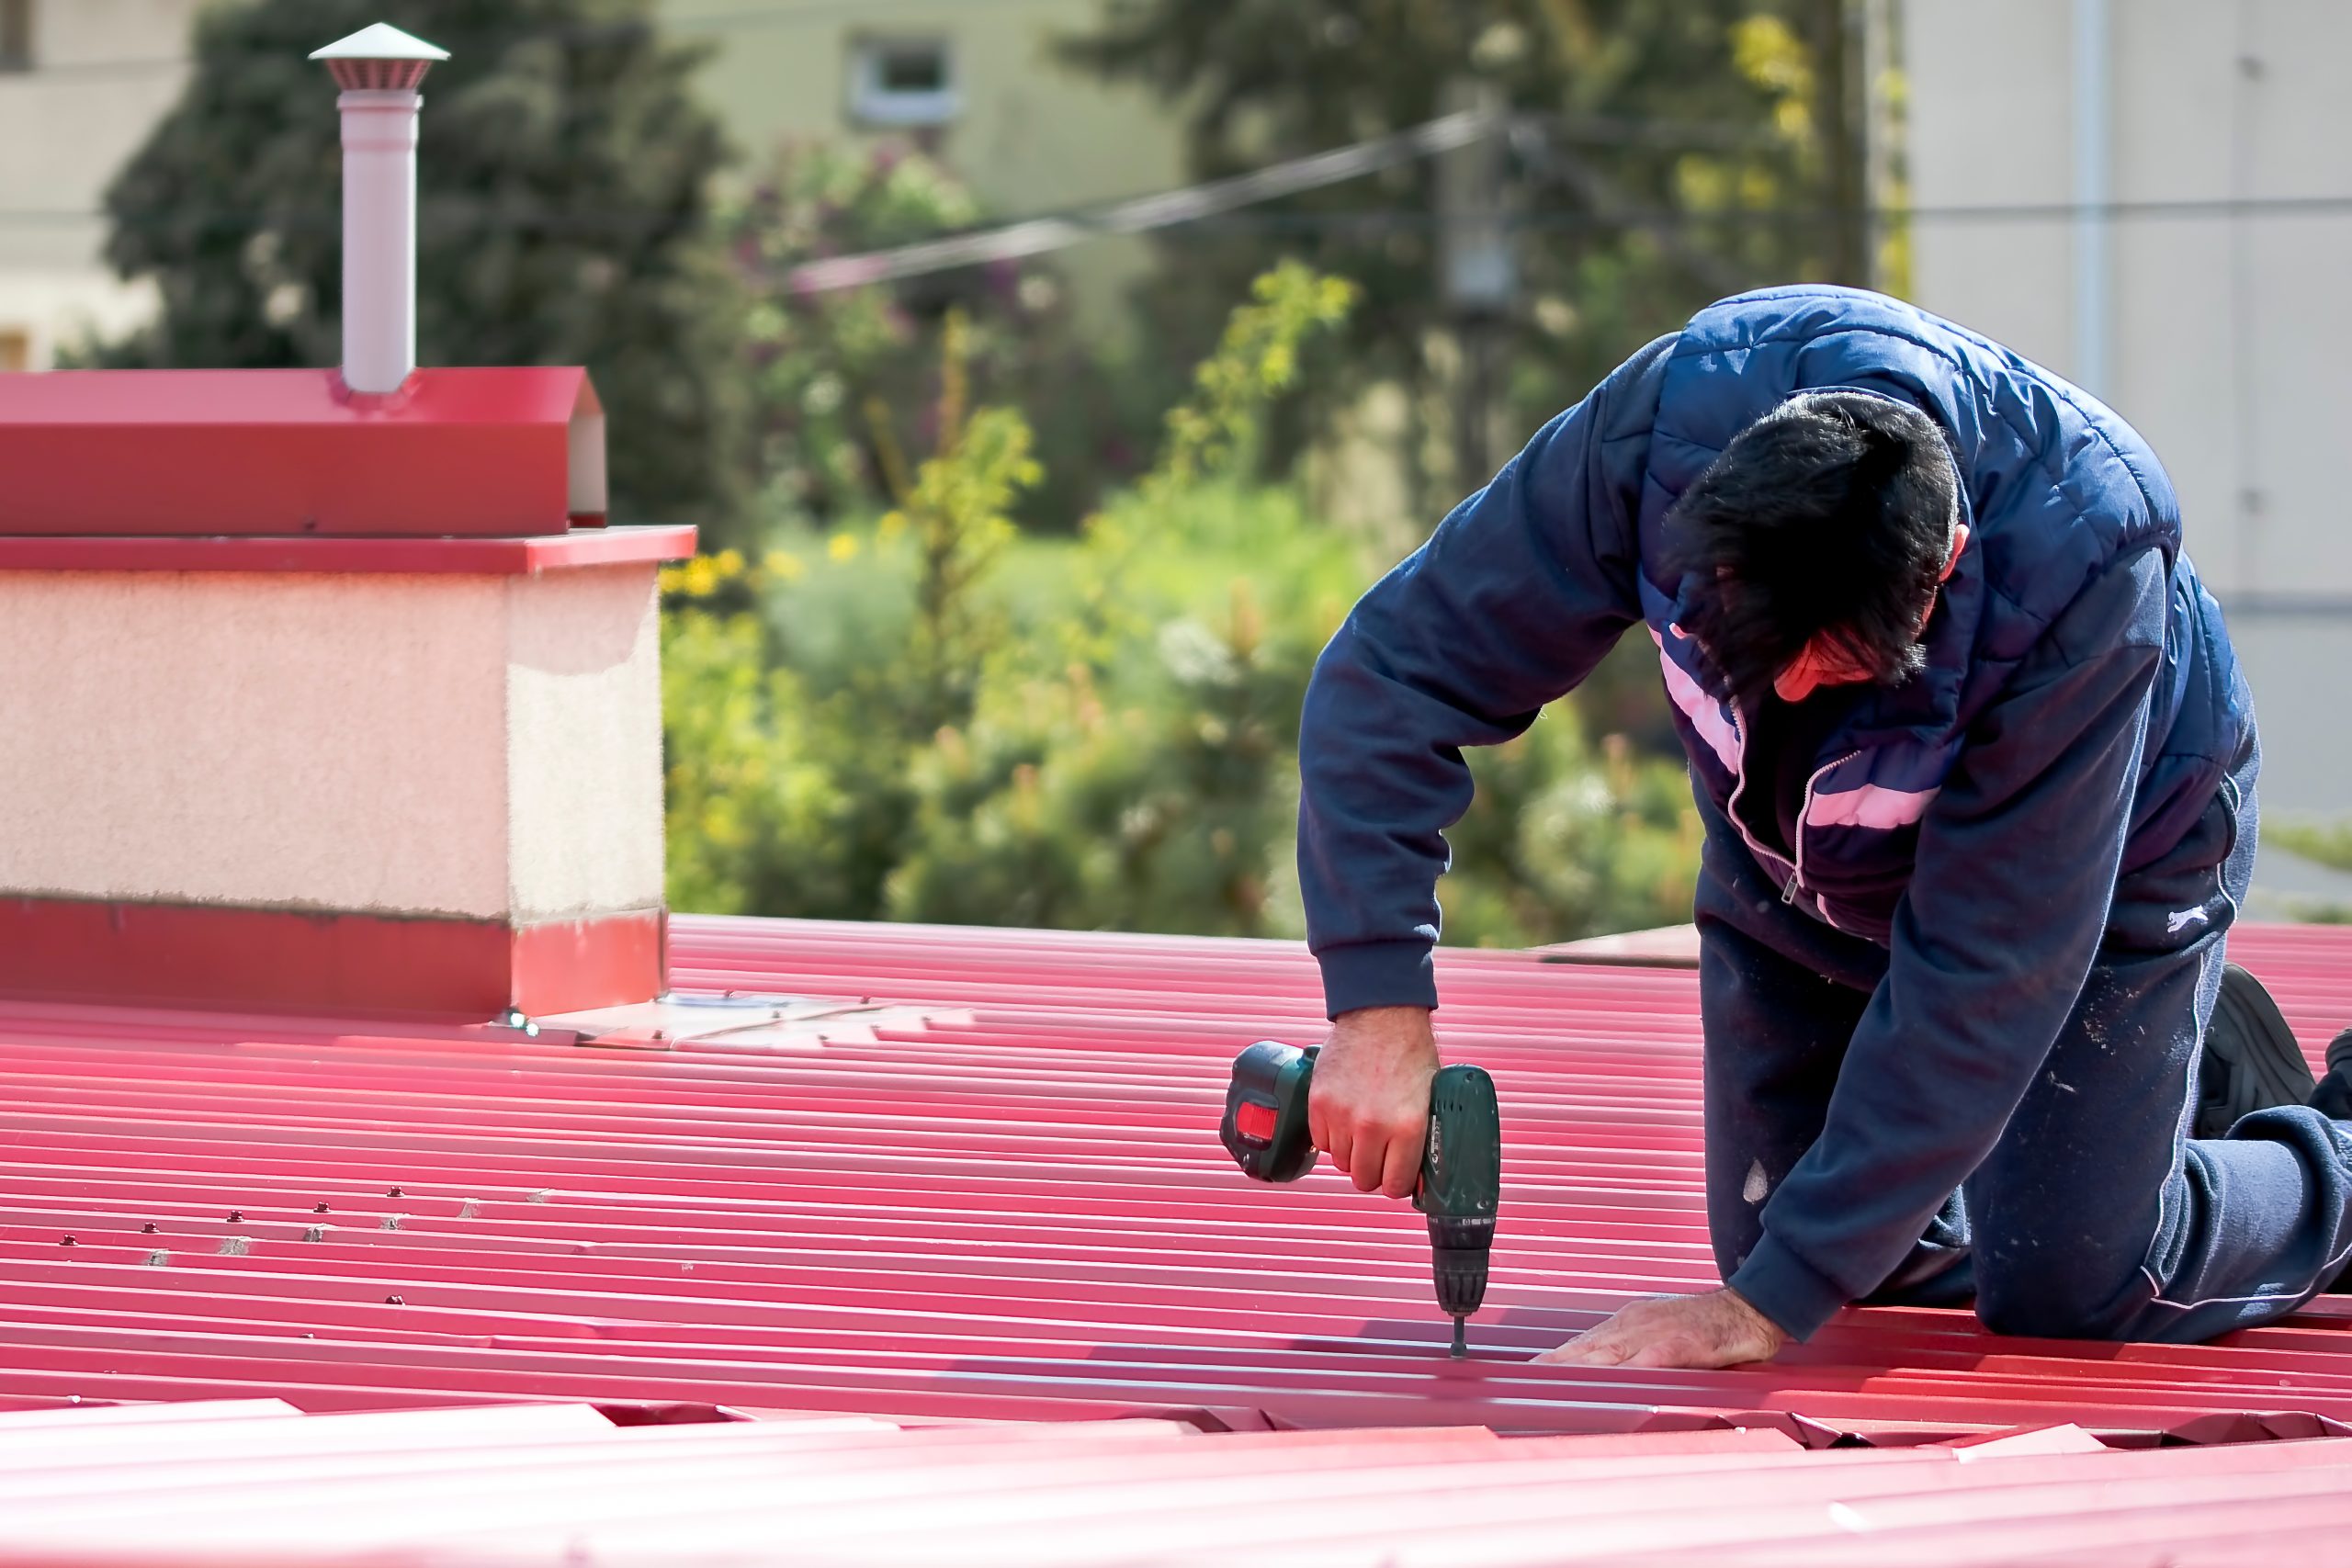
[521, 556]
[561, 1483]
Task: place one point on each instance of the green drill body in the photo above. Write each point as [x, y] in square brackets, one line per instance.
[1264, 1129]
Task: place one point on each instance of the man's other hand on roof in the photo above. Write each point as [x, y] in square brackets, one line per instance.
[1717, 1329]
[1369, 1108]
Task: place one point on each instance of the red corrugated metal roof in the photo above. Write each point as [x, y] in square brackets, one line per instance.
[1006, 1202]
[558, 1485]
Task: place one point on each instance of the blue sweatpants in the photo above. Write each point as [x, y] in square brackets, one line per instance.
[2095, 1216]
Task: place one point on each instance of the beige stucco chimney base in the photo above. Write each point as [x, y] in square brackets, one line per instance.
[427, 779]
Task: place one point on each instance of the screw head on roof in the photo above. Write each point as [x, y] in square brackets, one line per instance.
[393, 1194]
[236, 1216]
[320, 1210]
[67, 1241]
[147, 1229]
[393, 1301]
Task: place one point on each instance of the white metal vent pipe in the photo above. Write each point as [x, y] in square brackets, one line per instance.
[378, 70]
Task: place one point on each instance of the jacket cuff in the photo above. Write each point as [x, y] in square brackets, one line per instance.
[1379, 974]
[1786, 1289]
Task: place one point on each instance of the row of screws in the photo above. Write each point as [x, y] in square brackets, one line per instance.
[237, 1217]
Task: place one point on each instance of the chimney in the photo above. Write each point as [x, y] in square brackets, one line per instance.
[321, 699]
[379, 69]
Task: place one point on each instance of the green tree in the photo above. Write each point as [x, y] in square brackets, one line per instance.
[846, 379]
[939, 719]
[792, 766]
[563, 218]
[930, 706]
[1657, 151]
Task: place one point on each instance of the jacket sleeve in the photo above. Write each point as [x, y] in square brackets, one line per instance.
[1992, 944]
[1512, 602]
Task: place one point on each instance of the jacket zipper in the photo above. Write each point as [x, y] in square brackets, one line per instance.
[1795, 883]
[1731, 806]
[1796, 872]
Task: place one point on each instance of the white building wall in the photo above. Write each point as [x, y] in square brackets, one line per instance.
[103, 72]
[2230, 337]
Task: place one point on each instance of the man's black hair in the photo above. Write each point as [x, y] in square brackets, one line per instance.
[1831, 516]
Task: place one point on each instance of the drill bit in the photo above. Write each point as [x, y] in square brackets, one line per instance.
[1461, 1343]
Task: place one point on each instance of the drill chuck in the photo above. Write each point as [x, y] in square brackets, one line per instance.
[1458, 1254]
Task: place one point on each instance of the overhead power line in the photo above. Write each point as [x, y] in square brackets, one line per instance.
[1187, 207]
[1140, 215]
[512, 215]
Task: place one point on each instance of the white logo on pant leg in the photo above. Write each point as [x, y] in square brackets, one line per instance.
[1758, 1184]
[2180, 920]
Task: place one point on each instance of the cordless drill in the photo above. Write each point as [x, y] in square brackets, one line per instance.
[1264, 1130]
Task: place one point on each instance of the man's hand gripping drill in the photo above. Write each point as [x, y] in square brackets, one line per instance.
[1369, 1109]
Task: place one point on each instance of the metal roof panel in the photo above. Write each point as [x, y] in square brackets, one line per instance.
[1001, 1198]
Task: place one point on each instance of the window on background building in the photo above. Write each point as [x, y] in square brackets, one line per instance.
[16, 349]
[902, 81]
[16, 35]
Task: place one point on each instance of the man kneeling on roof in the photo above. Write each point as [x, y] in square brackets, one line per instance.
[1976, 767]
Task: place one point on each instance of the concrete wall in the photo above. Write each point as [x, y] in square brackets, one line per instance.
[2230, 323]
[583, 742]
[486, 746]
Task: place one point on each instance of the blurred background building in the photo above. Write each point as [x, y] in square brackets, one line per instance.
[82, 83]
[968, 81]
[2145, 195]
[2151, 196]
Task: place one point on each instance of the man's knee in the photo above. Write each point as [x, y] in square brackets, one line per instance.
[2037, 1296]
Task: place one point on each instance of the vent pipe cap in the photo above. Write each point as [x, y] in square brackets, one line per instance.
[380, 58]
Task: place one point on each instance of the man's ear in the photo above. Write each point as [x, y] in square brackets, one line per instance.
[1959, 543]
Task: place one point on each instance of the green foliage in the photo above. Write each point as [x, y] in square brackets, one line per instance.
[1660, 150]
[939, 719]
[820, 362]
[956, 514]
[844, 379]
[1256, 361]
[1569, 839]
[2324, 842]
[561, 218]
[1060, 808]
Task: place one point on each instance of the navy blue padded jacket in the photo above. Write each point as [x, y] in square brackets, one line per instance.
[2079, 711]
